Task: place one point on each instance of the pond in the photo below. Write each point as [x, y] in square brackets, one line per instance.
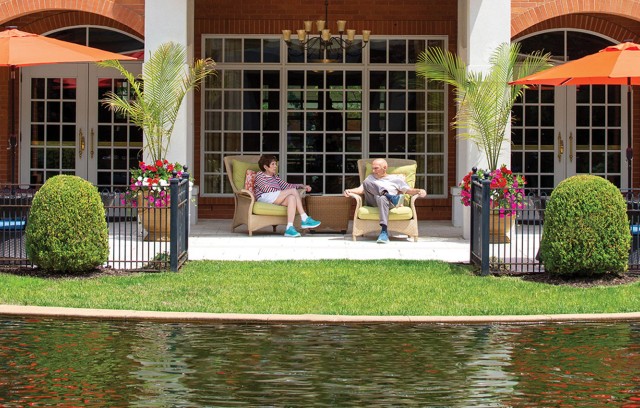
[150, 364]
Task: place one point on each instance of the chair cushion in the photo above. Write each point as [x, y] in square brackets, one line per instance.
[269, 209]
[250, 180]
[12, 224]
[408, 172]
[239, 169]
[395, 214]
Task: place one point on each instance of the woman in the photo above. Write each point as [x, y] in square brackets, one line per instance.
[269, 188]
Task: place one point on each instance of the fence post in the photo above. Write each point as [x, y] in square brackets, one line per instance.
[187, 217]
[173, 235]
[472, 220]
[486, 208]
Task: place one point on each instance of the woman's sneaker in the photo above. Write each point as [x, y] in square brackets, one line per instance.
[291, 233]
[310, 223]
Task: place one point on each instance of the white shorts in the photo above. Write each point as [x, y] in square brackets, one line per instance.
[269, 198]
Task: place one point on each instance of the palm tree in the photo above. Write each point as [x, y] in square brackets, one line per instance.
[484, 99]
[158, 94]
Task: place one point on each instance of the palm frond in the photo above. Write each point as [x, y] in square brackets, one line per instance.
[159, 92]
[484, 99]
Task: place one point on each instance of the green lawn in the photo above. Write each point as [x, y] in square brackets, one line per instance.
[388, 287]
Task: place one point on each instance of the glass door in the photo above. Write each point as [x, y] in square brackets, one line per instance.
[66, 130]
[563, 131]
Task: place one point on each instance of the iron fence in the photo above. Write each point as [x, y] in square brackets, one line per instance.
[511, 245]
[142, 237]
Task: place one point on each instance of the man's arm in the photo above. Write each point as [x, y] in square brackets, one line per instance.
[413, 191]
[357, 190]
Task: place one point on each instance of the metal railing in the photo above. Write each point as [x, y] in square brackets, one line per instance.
[512, 245]
[134, 240]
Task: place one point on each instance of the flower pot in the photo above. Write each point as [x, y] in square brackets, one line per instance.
[499, 228]
[155, 220]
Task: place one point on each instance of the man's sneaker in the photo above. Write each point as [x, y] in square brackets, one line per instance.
[291, 233]
[383, 238]
[394, 199]
[310, 223]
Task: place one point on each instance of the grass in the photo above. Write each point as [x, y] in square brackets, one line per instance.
[388, 287]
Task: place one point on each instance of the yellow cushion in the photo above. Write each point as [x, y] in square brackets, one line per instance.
[409, 172]
[395, 214]
[268, 209]
[239, 169]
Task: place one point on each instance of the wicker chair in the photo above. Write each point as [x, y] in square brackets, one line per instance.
[248, 211]
[403, 220]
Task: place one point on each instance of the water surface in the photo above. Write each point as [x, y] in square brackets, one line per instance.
[148, 364]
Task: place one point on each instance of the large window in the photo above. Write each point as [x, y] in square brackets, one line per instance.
[319, 118]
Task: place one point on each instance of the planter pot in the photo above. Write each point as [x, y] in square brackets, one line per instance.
[499, 228]
[155, 220]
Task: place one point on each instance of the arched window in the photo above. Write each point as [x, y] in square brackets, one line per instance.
[101, 37]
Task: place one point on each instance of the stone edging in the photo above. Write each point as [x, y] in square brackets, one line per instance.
[106, 314]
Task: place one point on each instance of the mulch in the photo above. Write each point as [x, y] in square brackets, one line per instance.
[95, 273]
[609, 279]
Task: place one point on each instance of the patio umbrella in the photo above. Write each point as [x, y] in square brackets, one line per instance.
[19, 49]
[615, 65]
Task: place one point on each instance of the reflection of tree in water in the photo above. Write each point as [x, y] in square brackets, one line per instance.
[571, 364]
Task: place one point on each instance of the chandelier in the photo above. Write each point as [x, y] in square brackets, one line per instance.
[323, 41]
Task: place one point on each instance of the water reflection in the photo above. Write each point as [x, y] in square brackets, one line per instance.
[144, 364]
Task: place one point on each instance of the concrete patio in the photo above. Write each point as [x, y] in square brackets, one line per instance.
[213, 239]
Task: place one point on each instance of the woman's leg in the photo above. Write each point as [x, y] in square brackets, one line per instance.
[291, 199]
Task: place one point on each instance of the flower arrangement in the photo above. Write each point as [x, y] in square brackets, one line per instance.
[507, 190]
[153, 178]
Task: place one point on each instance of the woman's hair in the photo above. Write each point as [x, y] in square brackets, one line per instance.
[266, 160]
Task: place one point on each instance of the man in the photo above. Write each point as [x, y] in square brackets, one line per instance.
[384, 191]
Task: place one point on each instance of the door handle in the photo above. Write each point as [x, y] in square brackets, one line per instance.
[82, 143]
[560, 146]
[570, 146]
[92, 142]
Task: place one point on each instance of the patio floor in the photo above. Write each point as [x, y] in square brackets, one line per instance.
[213, 239]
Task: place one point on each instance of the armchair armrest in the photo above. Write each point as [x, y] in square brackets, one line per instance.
[358, 199]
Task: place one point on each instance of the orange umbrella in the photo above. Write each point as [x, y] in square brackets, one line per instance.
[615, 65]
[19, 49]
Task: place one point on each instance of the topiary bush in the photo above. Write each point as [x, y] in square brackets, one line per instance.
[67, 230]
[586, 230]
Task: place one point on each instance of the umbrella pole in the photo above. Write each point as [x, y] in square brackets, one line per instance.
[630, 136]
[12, 132]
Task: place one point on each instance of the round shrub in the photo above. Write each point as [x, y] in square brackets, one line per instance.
[67, 230]
[586, 230]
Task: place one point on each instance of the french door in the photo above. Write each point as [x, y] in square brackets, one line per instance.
[65, 129]
[563, 131]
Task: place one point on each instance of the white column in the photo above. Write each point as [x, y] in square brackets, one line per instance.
[482, 26]
[171, 20]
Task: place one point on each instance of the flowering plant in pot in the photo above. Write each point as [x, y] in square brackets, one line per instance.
[154, 104]
[152, 180]
[507, 190]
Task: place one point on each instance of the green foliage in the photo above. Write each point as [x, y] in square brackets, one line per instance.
[67, 230]
[484, 99]
[586, 230]
[157, 96]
